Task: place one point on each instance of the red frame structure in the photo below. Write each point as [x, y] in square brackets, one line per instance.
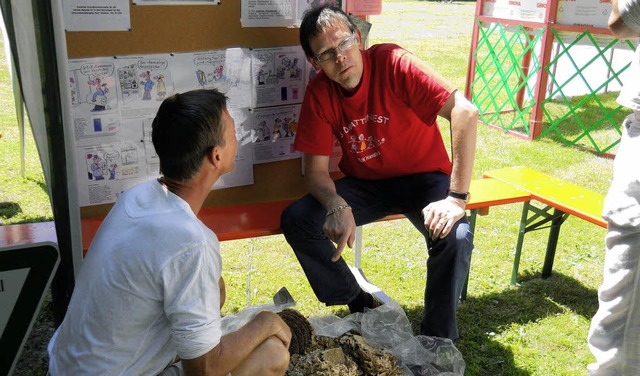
[546, 25]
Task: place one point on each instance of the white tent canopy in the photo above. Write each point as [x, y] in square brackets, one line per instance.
[35, 33]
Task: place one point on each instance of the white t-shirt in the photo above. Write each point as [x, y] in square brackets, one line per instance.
[147, 290]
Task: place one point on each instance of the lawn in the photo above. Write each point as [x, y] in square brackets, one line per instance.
[538, 327]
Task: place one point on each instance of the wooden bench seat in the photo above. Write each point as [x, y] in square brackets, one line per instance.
[560, 199]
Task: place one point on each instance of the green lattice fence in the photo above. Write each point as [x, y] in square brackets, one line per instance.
[591, 120]
[504, 91]
[500, 77]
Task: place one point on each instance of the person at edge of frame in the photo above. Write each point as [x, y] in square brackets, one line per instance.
[614, 334]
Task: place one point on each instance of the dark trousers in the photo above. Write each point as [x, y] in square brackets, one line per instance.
[333, 283]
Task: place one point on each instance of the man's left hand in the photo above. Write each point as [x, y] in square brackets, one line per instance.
[440, 216]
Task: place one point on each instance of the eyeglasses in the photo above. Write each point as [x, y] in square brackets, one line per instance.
[331, 53]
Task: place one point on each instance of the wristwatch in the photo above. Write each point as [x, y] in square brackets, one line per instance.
[464, 196]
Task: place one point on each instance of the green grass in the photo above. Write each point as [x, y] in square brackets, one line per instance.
[536, 328]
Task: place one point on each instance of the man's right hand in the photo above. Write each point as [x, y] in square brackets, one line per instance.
[340, 227]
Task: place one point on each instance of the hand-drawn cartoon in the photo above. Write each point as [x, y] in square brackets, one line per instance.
[112, 171]
[147, 84]
[162, 88]
[262, 75]
[294, 70]
[218, 73]
[263, 133]
[277, 129]
[99, 95]
[96, 168]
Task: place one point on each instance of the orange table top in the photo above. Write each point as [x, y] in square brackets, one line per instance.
[491, 192]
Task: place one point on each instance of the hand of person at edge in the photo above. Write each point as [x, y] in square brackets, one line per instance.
[340, 227]
[440, 216]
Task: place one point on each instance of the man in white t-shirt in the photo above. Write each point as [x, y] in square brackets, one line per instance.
[614, 336]
[150, 289]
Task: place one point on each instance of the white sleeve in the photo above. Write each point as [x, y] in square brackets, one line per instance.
[192, 300]
[630, 13]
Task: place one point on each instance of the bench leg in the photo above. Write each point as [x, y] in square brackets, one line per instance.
[554, 233]
[521, 232]
[357, 272]
[357, 248]
[473, 214]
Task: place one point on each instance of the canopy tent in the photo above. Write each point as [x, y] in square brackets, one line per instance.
[35, 33]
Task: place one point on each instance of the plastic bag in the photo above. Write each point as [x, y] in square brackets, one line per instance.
[388, 327]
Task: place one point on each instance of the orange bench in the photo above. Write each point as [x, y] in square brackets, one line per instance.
[261, 219]
[560, 199]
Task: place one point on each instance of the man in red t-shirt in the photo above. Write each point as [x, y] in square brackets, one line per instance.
[381, 104]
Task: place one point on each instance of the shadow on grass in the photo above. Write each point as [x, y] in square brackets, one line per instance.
[481, 317]
[9, 209]
[40, 184]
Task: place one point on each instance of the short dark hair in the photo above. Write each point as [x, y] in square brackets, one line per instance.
[316, 20]
[185, 128]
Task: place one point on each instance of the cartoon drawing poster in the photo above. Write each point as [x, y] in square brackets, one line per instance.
[228, 70]
[106, 170]
[144, 82]
[273, 131]
[92, 84]
[278, 76]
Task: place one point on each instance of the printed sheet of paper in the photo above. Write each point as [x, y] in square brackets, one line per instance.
[523, 10]
[176, 2]
[273, 131]
[114, 100]
[584, 12]
[278, 76]
[278, 13]
[243, 172]
[96, 15]
[228, 70]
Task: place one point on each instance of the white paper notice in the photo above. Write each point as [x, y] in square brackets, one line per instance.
[268, 13]
[278, 76]
[584, 12]
[96, 15]
[243, 172]
[273, 131]
[229, 71]
[523, 10]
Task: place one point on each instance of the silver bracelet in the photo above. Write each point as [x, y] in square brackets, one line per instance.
[337, 208]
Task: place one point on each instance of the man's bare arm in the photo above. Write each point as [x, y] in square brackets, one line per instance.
[339, 226]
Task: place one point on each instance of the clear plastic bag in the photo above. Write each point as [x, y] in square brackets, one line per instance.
[388, 327]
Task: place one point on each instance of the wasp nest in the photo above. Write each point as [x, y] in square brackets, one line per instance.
[347, 355]
[302, 333]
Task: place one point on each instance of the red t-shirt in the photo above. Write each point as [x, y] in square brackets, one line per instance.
[387, 128]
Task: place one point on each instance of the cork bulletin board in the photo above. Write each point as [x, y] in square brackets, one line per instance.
[192, 28]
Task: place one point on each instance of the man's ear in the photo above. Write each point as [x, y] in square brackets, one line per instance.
[214, 156]
[359, 39]
[313, 63]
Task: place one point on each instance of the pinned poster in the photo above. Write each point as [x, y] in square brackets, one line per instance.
[364, 7]
[96, 15]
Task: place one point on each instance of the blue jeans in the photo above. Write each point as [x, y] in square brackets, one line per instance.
[333, 283]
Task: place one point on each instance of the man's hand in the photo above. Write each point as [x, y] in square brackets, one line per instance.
[276, 326]
[340, 227]
[440, 216]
